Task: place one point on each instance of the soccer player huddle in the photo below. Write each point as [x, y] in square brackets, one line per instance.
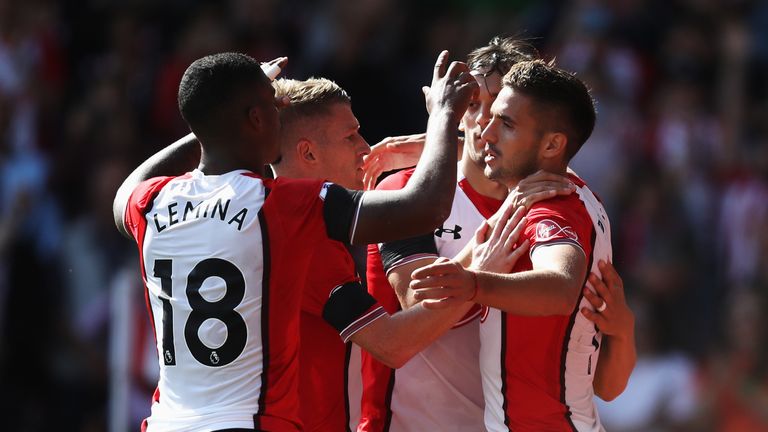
[491, 303]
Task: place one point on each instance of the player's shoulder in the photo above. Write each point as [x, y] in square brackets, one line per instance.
[558, 204]
[145, 192]
[397, 180]
[295, 189]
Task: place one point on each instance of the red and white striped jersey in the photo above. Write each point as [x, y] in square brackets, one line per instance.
[440, 388]
[224, 259]
[538, 371]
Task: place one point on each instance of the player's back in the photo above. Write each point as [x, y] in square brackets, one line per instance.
[214, 251]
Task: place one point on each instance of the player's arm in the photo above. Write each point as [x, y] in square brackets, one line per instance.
[618, 354]
[391, 339]
[176, 159]
[426, 200]
[551, 288]
[395, 339]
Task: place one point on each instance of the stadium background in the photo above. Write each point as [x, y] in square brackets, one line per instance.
[679, 155]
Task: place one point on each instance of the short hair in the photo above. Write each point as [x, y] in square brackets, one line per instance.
[500, 54]
[562, 100]
[309, 98]
[211, 85]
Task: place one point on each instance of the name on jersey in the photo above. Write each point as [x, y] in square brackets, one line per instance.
[177, 212]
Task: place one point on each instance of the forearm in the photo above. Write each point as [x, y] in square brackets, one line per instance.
[617, 360]
[529, 293]
[397, 338]
[426, 201]
[178, 158]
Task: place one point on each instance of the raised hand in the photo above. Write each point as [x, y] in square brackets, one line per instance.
[497, 253]
[390, 154]
[452, 88]
[273, 68]
[539, 186]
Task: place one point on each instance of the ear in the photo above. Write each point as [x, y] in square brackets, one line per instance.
[305, 150]
[553, 145]
[254, 118]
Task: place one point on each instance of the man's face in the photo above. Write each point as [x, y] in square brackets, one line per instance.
[478, 115]
[512, 139]
[340, 148]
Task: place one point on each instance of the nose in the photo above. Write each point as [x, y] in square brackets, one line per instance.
[484, 115]
[489, 132]
[364, 147]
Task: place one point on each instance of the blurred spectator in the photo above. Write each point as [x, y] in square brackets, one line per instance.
[679, 155]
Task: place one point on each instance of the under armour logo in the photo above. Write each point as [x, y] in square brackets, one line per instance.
[455, 231]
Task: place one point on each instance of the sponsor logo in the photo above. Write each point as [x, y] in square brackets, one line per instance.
[549, 229]
[455, 231]
[214, 358]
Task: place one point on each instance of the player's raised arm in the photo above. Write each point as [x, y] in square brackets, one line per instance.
[178, 158]
[181, 156]
[426, 200]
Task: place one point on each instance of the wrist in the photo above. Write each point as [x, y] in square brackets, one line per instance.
[447, 112]
[476, 286]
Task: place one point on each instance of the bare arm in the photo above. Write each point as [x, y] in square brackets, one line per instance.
[181, 156]
[426, 200]
[394, 153]
[551, 288]
[178, 158]
[618, 354]
[394, 339]
[400, 279]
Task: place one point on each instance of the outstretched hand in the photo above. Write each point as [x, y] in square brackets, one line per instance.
[539, 186]
[443, 284]
[612, 315]
[452, 88]
[390, 154]
[497, 252]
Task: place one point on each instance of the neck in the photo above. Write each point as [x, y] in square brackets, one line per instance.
[214, 162]
[285, 169]
[554, 169]
[479, 182]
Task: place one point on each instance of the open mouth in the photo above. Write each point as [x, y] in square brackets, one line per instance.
[490, 154]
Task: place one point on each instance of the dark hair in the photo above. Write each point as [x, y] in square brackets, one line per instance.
[210, 87]
[308, 98]
[562, 101]
[499, 55]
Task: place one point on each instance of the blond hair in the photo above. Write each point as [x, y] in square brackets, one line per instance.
[309, 98]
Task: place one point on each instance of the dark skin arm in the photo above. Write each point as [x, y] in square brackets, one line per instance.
[383, 216]
[176, 159]
[426, 200]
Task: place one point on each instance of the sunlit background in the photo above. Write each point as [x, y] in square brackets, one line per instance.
[679, 156]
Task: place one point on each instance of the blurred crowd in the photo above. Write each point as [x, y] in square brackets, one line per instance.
[679, 156]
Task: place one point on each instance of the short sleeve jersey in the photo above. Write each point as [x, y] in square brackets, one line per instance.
[325, 358]
[440, 387]
[224, 259]
[538, 371]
